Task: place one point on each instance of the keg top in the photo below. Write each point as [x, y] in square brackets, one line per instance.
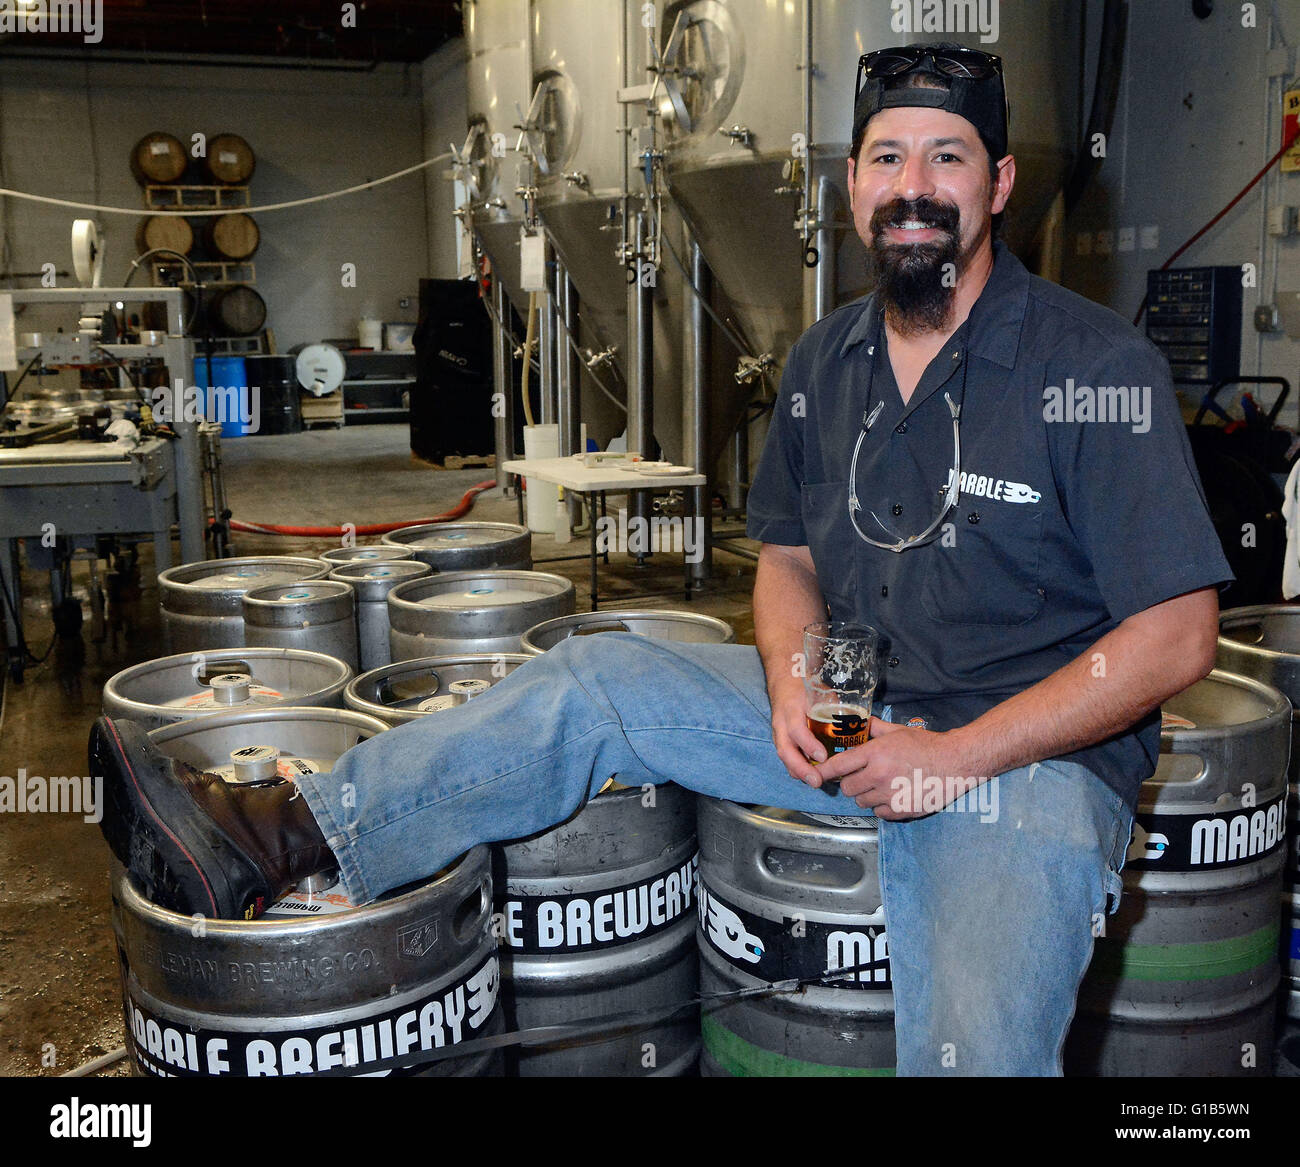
[1271, 629]
[182, 684]
[327, 599]
[1221, 704]
[380, 551]
[451, 536]
[239, 575]
[396, 570]
[477, 590]
[407, 687]
[657, 625]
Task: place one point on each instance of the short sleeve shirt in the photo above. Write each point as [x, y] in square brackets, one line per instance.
[1079, 500]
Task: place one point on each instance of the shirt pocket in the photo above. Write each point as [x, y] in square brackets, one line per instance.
[825, 507]
[992, 573]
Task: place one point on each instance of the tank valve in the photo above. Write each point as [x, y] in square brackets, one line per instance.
[741, 135]
[230, 688]
[601, 359]
[578, 179]
[256, 764]
[750, 369]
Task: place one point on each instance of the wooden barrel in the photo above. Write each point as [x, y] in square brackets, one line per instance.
[158, 157]
[170, 231]
[232, 236]
[230, 159]
[237, 311]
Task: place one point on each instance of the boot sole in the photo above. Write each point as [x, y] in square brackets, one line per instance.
[149, 828]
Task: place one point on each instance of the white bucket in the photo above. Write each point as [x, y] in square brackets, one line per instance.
[541, 441]
[370, 334]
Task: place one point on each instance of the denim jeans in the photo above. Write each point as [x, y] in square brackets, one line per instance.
[991, 916]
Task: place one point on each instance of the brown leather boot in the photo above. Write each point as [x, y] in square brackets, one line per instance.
[193, 842]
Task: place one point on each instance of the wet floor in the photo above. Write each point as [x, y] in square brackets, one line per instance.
[59, 997]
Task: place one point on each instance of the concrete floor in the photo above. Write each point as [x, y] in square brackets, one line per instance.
[59, 996]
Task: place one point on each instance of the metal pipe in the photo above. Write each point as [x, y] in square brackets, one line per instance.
[503, 397]
[547, 353]
[695, 405]
[189, 491]
[738, 488]
[567, 369]
[824, 289]
[640, 319]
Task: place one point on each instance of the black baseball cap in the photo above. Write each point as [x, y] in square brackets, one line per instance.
[973, 88]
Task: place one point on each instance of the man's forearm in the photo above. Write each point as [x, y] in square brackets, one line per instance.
[1124, 676]
[786, 599]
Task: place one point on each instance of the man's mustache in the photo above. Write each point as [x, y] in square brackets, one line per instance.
[929, 212]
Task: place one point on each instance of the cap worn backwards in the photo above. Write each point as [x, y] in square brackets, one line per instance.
[981, 101]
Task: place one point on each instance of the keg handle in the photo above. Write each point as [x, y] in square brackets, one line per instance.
[595, 626]
[763, 861]
[467, 919]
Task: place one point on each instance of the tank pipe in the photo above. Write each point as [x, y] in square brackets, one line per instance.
[460, 509]
[807, 120]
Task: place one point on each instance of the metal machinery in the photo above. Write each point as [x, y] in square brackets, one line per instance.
[64, 483]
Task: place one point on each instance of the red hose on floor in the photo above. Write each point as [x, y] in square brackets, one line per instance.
[461, 508]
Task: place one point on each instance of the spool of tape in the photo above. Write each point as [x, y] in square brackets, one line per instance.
[87, 253]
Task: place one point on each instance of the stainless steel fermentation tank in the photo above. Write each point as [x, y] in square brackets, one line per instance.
[498, 80]
[757, 97]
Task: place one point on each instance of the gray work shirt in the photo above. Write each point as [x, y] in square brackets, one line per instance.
[1080, 504]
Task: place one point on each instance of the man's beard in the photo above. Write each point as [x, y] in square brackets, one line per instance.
[914, 282]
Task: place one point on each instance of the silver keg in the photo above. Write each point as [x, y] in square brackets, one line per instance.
[785, 896]
[316, 615]
[1264, 642]
[406, 691]
[473, 611]
[224, 680]
[597, 919]
[371, 581]
[467, 546]
[680, 626]
[1183, 980]
[595, 916]
[338, 556]
[318, 983]
[201, 601]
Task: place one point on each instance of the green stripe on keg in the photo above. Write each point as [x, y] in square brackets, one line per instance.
[743, 1059]
[1187, 962]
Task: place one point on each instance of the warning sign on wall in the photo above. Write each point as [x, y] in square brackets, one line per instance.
[1290, 123]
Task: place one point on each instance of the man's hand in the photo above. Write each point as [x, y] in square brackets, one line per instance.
[903, 772]
[794, 742]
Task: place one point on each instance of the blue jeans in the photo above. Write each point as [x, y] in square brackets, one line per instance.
[991, 915]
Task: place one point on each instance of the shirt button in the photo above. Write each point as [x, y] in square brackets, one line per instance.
[897, 508]
[893, 662]
[884, 590]
[973, 517]
[901, 428]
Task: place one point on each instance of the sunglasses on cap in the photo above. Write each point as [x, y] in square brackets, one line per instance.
[969, 63]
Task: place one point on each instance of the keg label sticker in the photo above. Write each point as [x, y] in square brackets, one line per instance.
[832, 955]
[543, 925]
[306, 903]
[1184, 842]
[446, 1016]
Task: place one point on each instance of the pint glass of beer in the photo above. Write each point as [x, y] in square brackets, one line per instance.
[840, 674]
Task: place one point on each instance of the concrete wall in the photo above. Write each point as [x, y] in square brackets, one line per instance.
[67, 129]
[445, 120]
[1199, 114]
